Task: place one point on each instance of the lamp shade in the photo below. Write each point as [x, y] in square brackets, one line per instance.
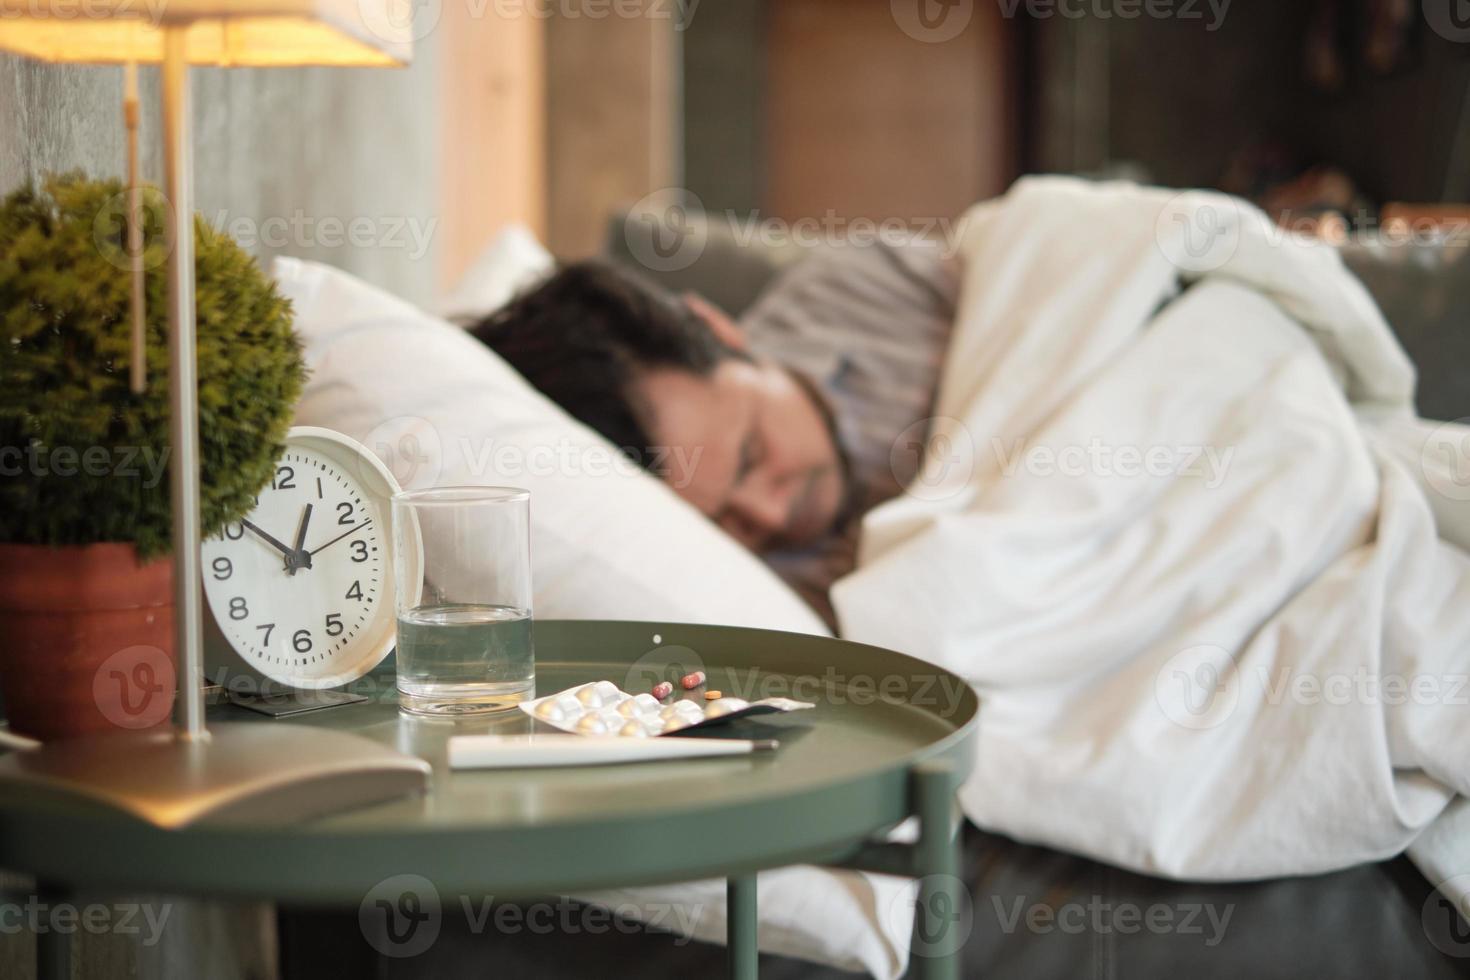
[262, 33]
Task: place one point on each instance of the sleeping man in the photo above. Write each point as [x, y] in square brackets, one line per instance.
[789, 420]
[1141, 469]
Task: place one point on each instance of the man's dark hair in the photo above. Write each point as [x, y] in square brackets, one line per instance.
[583, 335]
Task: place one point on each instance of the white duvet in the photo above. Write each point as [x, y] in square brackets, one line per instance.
[1191, 546]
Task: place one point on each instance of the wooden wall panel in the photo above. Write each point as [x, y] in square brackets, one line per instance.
[865, 120]
[492, 129]
[612, 122]
[724, 62]
[283, 153]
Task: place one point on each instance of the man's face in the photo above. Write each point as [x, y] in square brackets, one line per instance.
[750, 448]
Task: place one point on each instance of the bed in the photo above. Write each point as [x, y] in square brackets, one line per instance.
[1038, 911]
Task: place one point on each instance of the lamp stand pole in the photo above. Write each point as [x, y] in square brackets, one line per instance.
[251, 771]
[183, 386]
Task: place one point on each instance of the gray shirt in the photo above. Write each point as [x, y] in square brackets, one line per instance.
[868, 326]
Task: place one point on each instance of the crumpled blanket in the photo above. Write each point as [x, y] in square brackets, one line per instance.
[1179, 526]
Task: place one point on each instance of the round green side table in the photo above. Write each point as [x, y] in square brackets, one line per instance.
[891, 737]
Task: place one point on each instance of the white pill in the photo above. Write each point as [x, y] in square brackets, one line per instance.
[645, 704]
[590, 696]
[630, 708]
[592, 725]
[550, 711]
[569, 705]
[669, 712]
[724, 706]
[689, 710]
[608, 690]
[633, 729]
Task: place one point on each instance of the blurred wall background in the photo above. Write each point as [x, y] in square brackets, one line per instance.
[551, 115]
[423, 158]
[1274, 86]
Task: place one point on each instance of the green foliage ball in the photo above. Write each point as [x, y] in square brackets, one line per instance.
[82, 458]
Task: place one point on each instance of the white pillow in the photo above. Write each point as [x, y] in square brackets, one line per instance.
[512, 261]
[608, 541]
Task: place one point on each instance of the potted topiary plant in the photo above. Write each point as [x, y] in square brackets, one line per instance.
[86, 592]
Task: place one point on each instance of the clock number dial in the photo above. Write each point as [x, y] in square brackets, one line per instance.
[281, 566]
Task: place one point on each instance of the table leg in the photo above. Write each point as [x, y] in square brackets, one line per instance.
[53, 948]
[740, 939]
[940, 927]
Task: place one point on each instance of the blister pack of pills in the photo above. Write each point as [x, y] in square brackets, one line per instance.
[600, 708]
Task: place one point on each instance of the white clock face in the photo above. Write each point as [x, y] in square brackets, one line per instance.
[302, 586]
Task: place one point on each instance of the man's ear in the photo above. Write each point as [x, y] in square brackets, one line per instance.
[719, 321]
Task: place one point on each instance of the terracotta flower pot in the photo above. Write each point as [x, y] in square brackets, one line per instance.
[88, 640]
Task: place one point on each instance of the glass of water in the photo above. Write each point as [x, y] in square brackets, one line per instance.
[462, 558]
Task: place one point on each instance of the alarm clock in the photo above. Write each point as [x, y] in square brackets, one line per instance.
[302, 587]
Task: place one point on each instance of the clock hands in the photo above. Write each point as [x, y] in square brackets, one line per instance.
[351, 530]
[268, 539]
[299, 557]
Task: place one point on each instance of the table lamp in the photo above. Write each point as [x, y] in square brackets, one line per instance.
[239, 770]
